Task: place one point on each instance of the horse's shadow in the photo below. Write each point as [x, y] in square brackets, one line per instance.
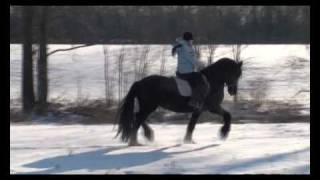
[102, 160]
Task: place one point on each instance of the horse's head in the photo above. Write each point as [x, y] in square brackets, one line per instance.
[226, 71]
[232, 77]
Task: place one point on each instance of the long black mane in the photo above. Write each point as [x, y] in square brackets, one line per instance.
[221, 67]
[218, 73]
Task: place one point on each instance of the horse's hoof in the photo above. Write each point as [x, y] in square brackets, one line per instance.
[135, 144]
[189, 141]
[223, 137]
[224, 133]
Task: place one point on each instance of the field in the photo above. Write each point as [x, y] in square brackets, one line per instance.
[274, 88]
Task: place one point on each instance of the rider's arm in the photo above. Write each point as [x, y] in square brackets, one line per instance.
[174, 49]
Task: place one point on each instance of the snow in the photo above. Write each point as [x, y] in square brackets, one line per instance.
[78, 149]
[80, 73]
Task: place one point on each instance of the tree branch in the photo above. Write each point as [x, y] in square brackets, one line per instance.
[68, 49]
[301, 91]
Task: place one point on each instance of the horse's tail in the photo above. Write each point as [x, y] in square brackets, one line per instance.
[125, 114]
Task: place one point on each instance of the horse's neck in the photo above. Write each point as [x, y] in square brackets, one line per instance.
[216, 85]
[216, 79]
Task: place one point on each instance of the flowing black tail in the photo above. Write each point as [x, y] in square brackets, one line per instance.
[125, 115]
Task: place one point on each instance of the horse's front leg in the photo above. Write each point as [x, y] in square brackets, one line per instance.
[226, 119]
[191, 125]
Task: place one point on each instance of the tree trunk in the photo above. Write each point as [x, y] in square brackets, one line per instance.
[163, 61]
[42, 64]
[106, 76]
[144, 64]
[120, 75]
[27, 69]
[212, 49]
[237, 56]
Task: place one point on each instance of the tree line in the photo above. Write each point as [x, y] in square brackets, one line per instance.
[162, 24]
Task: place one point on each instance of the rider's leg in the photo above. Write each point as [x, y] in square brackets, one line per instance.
[196, 83]
[198, 91]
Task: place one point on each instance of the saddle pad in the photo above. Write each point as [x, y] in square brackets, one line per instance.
[183, 87]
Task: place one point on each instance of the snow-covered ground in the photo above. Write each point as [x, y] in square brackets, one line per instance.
[73, 149]
[271, 72]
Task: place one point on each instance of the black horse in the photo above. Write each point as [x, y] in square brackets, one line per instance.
[155, 90]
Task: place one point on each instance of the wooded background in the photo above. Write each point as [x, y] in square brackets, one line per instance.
[212, 25]
[162, 24]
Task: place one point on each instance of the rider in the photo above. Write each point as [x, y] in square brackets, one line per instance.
[188, 67]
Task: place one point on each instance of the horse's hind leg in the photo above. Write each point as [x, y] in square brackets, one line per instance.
[141, 116]
[133, 141]
[148, 132]
[191, 125]
[226, 118]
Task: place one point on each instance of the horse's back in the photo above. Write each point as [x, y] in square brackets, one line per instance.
[163, 91]
[157, 84]
[155, 80]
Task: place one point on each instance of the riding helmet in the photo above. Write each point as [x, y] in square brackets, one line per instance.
[187, 36]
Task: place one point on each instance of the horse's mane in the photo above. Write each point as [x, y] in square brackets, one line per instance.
[219, 65]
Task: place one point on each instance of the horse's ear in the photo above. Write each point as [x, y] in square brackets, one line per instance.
[240, 64]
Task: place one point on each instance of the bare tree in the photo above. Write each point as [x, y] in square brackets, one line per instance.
[79, 97]
[143, 62]
[69, 49]
[197, 49]
[163, 61]
[42, 64]
[28, 99]
[125, 72]
[125, 83]
[212, 49]
[120, 73]
[136, 63]
[236, 52]
[106, 76]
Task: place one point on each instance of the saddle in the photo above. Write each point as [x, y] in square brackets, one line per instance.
[184, 86]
